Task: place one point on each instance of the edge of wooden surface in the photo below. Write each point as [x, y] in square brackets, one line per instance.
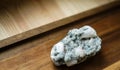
[55, 24]
[115, 66]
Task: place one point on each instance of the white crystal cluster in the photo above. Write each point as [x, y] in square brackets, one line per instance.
[77, 46]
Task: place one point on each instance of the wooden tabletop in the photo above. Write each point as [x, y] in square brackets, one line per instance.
[21, 19]
[34, 53]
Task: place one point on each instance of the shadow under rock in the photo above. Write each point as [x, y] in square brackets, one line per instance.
[93, 63]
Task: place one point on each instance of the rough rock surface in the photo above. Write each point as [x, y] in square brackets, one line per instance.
[77, 46]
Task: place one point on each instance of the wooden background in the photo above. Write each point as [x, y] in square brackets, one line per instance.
[34, 53]
[21, 19]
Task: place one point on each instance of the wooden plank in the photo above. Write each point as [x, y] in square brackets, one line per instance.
[38, 56]
[115, 66]
[21, 19]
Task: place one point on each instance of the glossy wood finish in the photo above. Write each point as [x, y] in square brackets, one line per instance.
[34, 53]
[21, 19]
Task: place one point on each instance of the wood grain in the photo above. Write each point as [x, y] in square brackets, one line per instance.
[34, 53]
[115, 66]
[20, 19]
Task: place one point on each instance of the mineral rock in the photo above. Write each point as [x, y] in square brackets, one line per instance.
[76, 47]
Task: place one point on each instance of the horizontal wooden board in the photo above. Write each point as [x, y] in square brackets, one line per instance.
[21, 19]
[34, 53]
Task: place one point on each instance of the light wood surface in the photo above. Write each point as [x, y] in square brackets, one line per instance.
[34, 53]
[20, 19]
[115, 66]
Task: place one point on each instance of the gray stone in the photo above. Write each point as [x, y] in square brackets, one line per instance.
[76, 47]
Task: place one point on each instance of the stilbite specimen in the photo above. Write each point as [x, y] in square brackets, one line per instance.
[77, 46]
